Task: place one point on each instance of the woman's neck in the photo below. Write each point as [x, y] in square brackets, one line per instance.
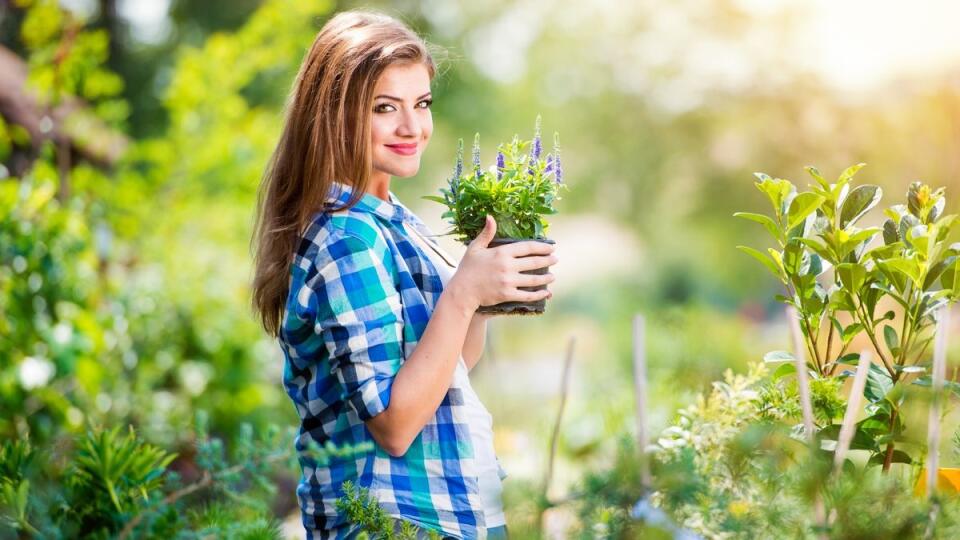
[380, 186]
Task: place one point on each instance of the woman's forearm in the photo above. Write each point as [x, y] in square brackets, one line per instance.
[424, 378]
[476, 339]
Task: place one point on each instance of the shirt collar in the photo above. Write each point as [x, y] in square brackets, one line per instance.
[393, 210]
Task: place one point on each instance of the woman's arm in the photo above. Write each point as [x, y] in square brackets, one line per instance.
[485, 277]
[424, 378]
[476, 339]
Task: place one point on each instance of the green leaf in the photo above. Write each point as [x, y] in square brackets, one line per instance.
[890, 338]
[778, 356]
[927, 381]
[766, 260]
[812, 171]
[792, 258]
[766, 221]
[878, 384]
[785, 369]
[861, 440]
[891, 234]
[858, 202]
[852, 275]
[802, 206]
[908, 267]
[950, 278]
[819, 248]
[849, 172]
[434, 198]
[777, 190]
[909, 369]
[850, 332]
[899, 456]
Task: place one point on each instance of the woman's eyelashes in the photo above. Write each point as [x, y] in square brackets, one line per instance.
[389, 107]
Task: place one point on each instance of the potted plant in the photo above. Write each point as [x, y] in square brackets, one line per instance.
[887, 283]
[518, 191]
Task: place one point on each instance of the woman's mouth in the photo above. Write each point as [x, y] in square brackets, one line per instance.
[407, 149]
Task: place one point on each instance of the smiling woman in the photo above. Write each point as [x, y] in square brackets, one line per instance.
[401, 126]
[379, 330]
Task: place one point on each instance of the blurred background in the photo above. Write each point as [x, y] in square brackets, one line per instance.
[125, 269]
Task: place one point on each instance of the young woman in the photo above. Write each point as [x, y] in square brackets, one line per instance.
[377, 324]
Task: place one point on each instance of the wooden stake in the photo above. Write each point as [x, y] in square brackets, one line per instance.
[800, 360]
[640, 385]
[848, 427]
[938, 374]
[806, 405]
[555, 436]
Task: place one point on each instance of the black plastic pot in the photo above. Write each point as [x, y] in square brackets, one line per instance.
[520, 308]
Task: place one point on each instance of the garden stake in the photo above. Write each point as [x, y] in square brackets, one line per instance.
[939, 371]
[555, 436]
[803, 388]
[640, 384]
[806, 405]
[848, 427]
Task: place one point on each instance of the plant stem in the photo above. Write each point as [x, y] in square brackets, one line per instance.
[829, 347]
[812, 345]
[888, 458]
[873, 339]
[905, 330]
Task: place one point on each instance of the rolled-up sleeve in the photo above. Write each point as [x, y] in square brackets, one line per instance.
[358, 316]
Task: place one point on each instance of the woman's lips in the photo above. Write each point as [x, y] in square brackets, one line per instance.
[403, 149]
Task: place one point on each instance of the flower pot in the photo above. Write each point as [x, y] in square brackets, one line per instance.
[948, 480]
[520, 308]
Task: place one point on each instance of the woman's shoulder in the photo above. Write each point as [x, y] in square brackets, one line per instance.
[329, 233]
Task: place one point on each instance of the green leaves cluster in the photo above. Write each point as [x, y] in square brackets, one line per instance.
[374, 523]
[519, 193]
[110, 483]
[845, 281]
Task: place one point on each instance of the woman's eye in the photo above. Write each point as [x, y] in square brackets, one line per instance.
[425, 104]
[383, 107]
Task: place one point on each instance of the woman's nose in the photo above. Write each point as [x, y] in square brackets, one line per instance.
[409, 125]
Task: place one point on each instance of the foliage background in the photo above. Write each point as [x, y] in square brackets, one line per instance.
[665, 110]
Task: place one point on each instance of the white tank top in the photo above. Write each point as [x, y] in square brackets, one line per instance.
[481, 422]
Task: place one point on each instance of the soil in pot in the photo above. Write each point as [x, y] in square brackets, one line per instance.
[520, 308]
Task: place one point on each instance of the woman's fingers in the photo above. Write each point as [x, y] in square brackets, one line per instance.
[534, 280]
[531, 296]
[533, 263]
[527, 247]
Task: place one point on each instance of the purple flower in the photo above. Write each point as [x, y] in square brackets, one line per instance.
[549, 168]
[557, 168]
[537, 147]
[501, 165]
[476, 154]
[458, 168]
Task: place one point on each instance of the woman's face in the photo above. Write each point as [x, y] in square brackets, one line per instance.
[401, 122]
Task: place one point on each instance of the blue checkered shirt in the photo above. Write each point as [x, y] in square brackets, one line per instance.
[361, 294]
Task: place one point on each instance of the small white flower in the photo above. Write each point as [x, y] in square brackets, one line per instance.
[194, 377]
[62, 333]
[35, 372]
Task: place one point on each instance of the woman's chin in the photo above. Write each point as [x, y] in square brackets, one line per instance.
[405, 172]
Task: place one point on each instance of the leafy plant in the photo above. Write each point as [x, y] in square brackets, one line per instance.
[518, 190]
[363, 510]
[837, 281]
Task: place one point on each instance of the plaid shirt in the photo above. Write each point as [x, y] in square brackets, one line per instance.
[361, 294]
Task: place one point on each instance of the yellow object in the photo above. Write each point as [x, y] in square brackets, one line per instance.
[948, 479]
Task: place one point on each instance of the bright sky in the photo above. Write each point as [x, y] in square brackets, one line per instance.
[856, 44]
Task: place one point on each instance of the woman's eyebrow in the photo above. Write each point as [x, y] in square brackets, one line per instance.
[394, 98]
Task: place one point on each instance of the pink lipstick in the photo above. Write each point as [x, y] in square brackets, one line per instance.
[408, 149]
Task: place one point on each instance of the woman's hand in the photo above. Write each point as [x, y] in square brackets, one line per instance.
[488, 276]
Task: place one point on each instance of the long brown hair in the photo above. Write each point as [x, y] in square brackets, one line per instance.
[325, 139]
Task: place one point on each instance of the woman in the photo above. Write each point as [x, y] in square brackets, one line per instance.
[377, 329]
